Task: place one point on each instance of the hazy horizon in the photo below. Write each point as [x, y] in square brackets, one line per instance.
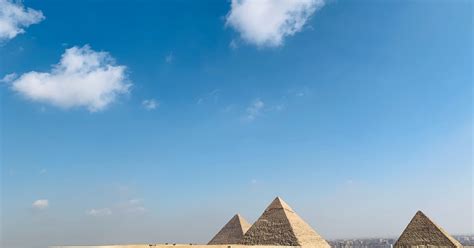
[157, 121]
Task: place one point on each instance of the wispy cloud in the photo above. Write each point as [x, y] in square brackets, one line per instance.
[228, 108]
[133, 206]
[122, 207]
[8, 78]
[211, 96]
[254, 110]
[233, 44]
[99, 212]
[150, 104]
[14, 18]
[169, 58]
[83, 78]
[279, 107]
[268, 22]
[135, 201]
[40, 204]
[299, 92]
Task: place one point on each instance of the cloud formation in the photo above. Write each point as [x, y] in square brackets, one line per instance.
[14, 17]
[268, 22]
[134, 206]
[99, 212]
[83, 78]
[254, 110]
[8, 78]
[40, 204]
[150, 104]
[212, 96]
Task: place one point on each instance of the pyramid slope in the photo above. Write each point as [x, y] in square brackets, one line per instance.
[280, 225]
[421, 231]
[232, 232]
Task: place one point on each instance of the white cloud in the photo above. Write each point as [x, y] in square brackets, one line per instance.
[8, 78]
[254, 110]
[268, 22]
[41, 204]
[83, 78]
[150, 104]
[14, 17]
[99, 212]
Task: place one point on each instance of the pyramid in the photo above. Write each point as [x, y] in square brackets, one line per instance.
[280, 225]
[422, 232]
[232, 232]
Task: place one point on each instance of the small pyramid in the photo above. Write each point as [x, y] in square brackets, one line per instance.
[280, 225]
[423, 232]
[232, 232]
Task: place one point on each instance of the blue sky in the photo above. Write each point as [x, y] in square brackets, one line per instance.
[131, 121]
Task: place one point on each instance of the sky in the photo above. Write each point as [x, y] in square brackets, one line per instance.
[156, 121]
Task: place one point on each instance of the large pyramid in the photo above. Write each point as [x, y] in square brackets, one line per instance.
[232, 232]
[422, 232]
[280, 225]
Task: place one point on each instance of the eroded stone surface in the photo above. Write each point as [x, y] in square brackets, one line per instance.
[232, 232]
[422, 232]
[279, 225]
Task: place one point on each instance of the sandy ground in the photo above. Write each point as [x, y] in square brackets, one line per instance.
[172, 246]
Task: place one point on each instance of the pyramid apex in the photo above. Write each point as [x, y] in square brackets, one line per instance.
[420, 214]
[279, 203]
[279, 199]
[241, 220]
[279, 225]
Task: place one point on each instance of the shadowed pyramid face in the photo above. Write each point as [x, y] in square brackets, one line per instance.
[232, 232]
[421, 231]
[280, 225]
